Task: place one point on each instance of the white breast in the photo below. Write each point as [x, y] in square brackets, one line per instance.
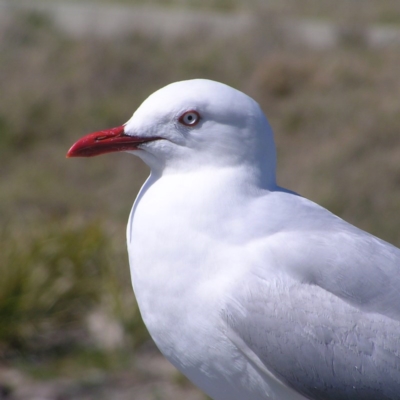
[182, 281]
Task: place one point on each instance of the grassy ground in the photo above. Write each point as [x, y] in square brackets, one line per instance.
[63, 264]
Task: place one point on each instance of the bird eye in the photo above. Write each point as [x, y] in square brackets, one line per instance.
[189, 118]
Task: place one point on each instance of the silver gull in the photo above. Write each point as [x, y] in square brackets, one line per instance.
[250, 290]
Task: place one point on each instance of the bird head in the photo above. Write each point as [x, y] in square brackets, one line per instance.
[190, 125]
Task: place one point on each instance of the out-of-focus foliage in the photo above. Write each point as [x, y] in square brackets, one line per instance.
[49, 280]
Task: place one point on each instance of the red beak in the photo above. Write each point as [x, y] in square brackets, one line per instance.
[106, 141]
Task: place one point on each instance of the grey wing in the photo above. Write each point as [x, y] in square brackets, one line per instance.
[355, 266]
[319, 345]
[317, 247]
[324, 315]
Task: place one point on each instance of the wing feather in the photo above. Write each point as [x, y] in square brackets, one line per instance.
[317, 344]
[323, 311]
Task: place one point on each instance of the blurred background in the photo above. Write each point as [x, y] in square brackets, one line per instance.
[326, 74]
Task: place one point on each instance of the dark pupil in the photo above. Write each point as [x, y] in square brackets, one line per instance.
[190, 117]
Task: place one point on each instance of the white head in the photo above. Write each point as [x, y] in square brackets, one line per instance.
[191, 125]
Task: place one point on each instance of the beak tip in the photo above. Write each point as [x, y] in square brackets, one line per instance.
[106, 141]
[70, 153]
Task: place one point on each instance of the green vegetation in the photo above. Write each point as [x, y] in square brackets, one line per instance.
[51, 280]
[335, 112]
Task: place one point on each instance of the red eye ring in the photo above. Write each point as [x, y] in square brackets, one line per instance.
[190, 118]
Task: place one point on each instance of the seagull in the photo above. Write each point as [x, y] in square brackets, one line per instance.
[249, 289]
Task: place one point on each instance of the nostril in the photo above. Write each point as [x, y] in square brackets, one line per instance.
[99, 138]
